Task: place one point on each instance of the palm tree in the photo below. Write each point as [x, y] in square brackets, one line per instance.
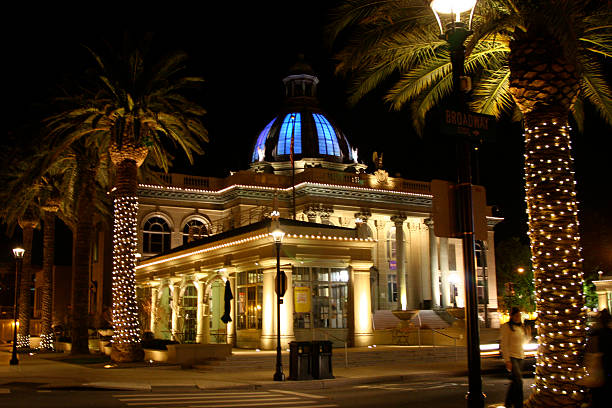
[539, 61]
[141, 110]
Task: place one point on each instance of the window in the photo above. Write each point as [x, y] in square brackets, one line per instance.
[452, 258]
[391, 244]
[292, 125]
[261, 141]
[392, 287]
[195, 229]
[249, 286]
[190, 314]
[329, 291]
[156, 236]
[328, 141]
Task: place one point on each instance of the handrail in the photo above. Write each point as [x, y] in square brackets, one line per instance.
[433, 341]
[327, 334]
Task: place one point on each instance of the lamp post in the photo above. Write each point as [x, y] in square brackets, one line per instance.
[18, 254]
[280, 287]
[455, 33]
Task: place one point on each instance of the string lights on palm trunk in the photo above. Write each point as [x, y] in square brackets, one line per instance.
[125, 309]
[552, 208]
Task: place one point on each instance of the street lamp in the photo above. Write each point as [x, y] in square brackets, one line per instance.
[280, 287]
[455, 32]
[520, 270]
[18, 254]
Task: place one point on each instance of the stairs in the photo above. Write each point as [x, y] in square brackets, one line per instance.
[357, 357]
[426, 319]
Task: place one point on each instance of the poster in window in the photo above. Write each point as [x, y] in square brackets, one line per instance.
[301, 296]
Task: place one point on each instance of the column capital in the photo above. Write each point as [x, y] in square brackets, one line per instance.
[429, 222]
[398, 219]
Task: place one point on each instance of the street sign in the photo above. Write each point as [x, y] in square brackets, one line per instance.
[475, 126]
[280, 286]
[445, 210]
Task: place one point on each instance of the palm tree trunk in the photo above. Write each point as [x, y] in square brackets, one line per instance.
[25, 310]
[544, 85]
[46, 335]
[126, 337]
[555, 245]
[81, 263]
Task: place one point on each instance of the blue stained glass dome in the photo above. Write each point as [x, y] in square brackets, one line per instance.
[314, 136]
[317, 141]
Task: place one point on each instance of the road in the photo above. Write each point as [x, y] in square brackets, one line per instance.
[427, 392]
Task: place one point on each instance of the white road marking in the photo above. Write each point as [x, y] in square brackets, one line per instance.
[298, 394]
[151, 395]
[267, 405]
[202, 399]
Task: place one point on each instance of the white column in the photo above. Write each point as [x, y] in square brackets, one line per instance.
[402, 295]
[176, 291]
[433, 265]
[268, 311]
[602, 300]
[201, 327]
[287, 334]
[154, 292]
[362, 315]
[444, 272]
[231, 326]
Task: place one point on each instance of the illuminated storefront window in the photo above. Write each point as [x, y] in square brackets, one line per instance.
[249, 287]
[328, 289]
[189, 314]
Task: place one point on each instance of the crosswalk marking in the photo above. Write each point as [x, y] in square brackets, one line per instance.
[242, 404]
[408, 387]
[301, 394]
[192, 400]
[151, 394]
[272, 398]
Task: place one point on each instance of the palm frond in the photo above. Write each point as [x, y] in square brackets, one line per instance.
[492, 95]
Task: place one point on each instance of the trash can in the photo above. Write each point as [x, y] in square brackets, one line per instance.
[300, 355]
[322, 359]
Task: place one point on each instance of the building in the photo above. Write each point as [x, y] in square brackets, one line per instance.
[355, 243]
[603, 288]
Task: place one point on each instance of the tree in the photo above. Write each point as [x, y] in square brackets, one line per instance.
[141, 110]
[539, 60]
[514, 274]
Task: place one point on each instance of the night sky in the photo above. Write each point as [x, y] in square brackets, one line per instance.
[243, 54]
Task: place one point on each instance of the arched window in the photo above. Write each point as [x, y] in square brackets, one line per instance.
[155, 236]
[193, 230]
[328, 141]
[391, 245]
[292, 125]
[261, 141]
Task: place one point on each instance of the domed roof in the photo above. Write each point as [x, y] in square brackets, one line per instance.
[317, 141]
[313, 136]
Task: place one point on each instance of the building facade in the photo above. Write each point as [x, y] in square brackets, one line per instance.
[355, 243]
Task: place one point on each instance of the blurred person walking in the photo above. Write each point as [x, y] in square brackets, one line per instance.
[512, 340]
[598, 361]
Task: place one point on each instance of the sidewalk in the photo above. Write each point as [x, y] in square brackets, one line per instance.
[45, 371]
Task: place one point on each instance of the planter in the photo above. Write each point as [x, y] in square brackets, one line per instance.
[189, 354]
[63, 346]
[34, 342]
[156, 355]
[102, 344]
